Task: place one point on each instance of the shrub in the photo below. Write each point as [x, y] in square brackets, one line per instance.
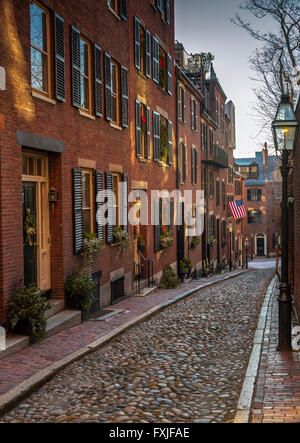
[79, 290]
[169, 280]
[26, 313]
[185, 266]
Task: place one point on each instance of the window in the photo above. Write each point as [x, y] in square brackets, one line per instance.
[218, 193]
[33, 164]
[181, 104]
[230, 175]
[87, 201]
[182, 164]
[162, 69]
[211, 184]
[211, 140]
[115, 188]
[164, 143]
[238, 187]
[249, 172]
[40, 48]
[254, 216]
[254, 194]
[211, 227]
[115, 92]
[194, 114]
[85, 74]
[164, 231]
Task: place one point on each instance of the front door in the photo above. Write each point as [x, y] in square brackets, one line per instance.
[36, 245]
[29, 234]
[260, 246]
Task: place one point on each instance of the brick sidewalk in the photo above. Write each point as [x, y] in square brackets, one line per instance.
[277, 394]
[19, 367]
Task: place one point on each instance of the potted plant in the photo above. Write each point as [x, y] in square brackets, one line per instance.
[221, 267]
[185, 268]
[195, 242]
[79, 289]
[91, 244]
[166, 240]
[206, 271]
[26, 313]
[169, 279]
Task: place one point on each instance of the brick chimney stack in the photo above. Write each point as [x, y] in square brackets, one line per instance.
[266, 158]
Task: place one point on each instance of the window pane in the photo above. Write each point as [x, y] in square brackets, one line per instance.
[84, 85]
[86, 190]
[84, 58]
[38, 33]
[31, 166]
[86, 214]
[113, 78]
[39, 70]
[24, 164]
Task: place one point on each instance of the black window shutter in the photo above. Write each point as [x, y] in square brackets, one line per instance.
[124, 203]
[98, 81]
[124, 91]
[169, 74]
[259, 195]
[156, 135]
[59, 34]
[137, 43]
[110, 218]
[159, 5]
[170, 142]
[179, 90]
[196, 165]
[123, 9]
[148, 53]
[99, 203]
[138, 128]
[184, 172]
[77, 210]
[180, 149]
[192, 114]
[156, 209]
[148, 132]
[75, 50]
[183, 107]
[168, 12]
[155, 61]
[196, 116]
[107, 81]
[192, 166]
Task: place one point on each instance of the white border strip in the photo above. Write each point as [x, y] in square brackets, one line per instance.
[245, 401]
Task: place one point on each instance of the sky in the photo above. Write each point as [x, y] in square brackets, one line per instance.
[205, 26]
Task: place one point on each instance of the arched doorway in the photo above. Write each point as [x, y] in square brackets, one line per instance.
[260, 245]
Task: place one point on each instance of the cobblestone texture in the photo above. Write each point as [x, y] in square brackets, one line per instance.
[184, 365]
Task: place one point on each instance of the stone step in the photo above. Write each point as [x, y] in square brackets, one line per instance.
[146, 291]
[63, 320]
[14, 343]
[57, 305]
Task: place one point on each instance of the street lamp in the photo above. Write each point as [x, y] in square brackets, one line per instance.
[284, 129]
[230, 247]
[247, 249]
[252, 237]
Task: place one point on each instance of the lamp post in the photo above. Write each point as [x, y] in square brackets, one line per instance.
[284, 129]
[247, 249]
[252, 237]
[230, 247]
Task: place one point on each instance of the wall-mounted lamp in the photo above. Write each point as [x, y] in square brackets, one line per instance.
[53, 196]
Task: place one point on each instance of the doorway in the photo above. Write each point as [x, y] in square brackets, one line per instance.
[36, 239]
[260, 246]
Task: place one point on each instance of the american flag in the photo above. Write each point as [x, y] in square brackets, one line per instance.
[237, 209]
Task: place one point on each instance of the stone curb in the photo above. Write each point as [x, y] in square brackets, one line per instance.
[18, 393]
[245, 400]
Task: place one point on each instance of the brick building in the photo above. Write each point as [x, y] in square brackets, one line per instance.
[263, 198]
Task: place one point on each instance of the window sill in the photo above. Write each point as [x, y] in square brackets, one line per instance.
[43, 97]
[114, 13]
[163, 164]
[86, 114]
[113, 125]
[142, 75]
[144, 160]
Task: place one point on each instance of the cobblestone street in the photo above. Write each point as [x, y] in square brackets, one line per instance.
[183, 365]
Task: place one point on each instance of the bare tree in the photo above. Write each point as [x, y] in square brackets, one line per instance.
[276, 64]
[199, 61]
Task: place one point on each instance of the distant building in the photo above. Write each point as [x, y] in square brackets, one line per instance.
[263, 198]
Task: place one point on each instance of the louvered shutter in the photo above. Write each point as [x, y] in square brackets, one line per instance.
[124, 91]
[148, 53]
[155, 61]
[124, 203]
[156, 209]
[159, 5]
[179, 89]
[196, 116]
[202, 136]
[77, 210]
[180, 148]
[110, 218]
[184, 172]
[183, 105]
[196, 166]
[75, 50]
[169, 74]
[192, 113]
[168, 12]
[170, 142]
[98, 81]
[60, 81]
[99, 204]
[192, 166]
[137, 43]
[156, 135]
[248, 194]
[218, 193]
[123, 9]
[148, 132]
[259, 194]
[107, 83]
[138, 128]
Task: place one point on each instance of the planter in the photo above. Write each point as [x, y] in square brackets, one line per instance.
[24, 328]
[185, 275]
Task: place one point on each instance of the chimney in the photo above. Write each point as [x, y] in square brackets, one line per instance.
[266, 158]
